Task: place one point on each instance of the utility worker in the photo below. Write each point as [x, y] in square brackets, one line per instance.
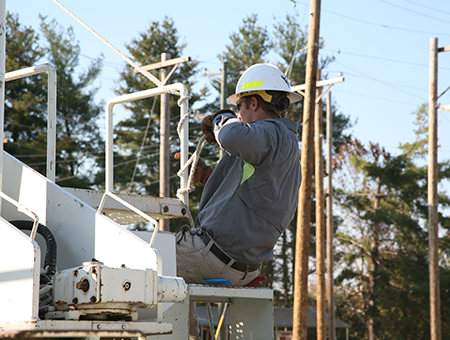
[251, 196]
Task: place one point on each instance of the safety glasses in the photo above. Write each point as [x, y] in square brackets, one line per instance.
[239, 103]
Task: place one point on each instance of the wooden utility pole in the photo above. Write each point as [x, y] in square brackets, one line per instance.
[167, 63]
[164, 146]
[330, 228]
[320, 217]
[433, 238]
[223, 98]
[223, 95]
[223, 84]
[304, 204]
[372, 322]
[433, 218]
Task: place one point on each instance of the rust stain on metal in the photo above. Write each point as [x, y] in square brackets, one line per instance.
[83, 285]
[126, 285]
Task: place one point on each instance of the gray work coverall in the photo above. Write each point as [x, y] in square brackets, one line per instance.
[248, 201]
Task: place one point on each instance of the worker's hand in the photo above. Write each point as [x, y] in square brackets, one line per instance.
[215, 114]
[208, 126]
[208, 129]
[202, 171]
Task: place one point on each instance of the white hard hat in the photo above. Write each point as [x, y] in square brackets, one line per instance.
[262, 77]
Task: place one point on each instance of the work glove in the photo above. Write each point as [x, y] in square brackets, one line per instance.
[256, 281]
[202, 171]
[208, 126]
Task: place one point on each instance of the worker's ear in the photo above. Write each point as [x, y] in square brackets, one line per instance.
[254, 103]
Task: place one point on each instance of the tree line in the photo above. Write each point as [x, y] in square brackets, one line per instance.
[381, 239]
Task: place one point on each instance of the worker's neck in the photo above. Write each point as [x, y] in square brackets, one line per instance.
[260, 114]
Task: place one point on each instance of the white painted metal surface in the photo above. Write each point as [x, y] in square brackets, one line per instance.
[165, 245]
[24, 210]
[320, 83]
[27, 187]
[82, 235]
[132, 208]
[224, 293]
[77, 326]
[156, 207]
[94, 289]
[251, 311]
[19, 275]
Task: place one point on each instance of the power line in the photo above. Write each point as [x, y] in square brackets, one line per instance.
[384, 59]
[415, 12]
[380, 81]
[448, 88]
[106, 63]
[373, 97]
[383, 25]
[363, 77]
[433, 9]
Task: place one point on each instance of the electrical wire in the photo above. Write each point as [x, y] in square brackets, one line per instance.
[415, 12]
[382, 58]
[143, 142]
[374, 97]
[383, 25]
[380, 81]
[350, 74]
[433, 9]
[448, 88]
[146, 74]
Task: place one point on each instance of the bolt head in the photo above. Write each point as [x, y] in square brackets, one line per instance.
[126, 285]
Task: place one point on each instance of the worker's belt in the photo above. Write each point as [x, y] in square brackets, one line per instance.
[225, 258]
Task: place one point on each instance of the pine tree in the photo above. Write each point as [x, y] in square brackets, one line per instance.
[25, 99]
[137, 155]
[248, 46]
[78, 140]
[289, 42]
[382, 252]
[78, 137]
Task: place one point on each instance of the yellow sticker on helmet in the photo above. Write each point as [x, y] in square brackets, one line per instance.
[250, 84]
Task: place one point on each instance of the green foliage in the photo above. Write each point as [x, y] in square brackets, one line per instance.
[248, 46]
[25, 104]
[137, 137]
[78, 138]
[78, 135]
[290, 42]
[287, 41]
[139, 134]
[420, 147]
[383, 244]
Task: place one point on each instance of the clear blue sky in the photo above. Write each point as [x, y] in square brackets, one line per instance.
[380, 46]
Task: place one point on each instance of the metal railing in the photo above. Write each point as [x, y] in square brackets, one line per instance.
[109, 184]
[51, 105]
